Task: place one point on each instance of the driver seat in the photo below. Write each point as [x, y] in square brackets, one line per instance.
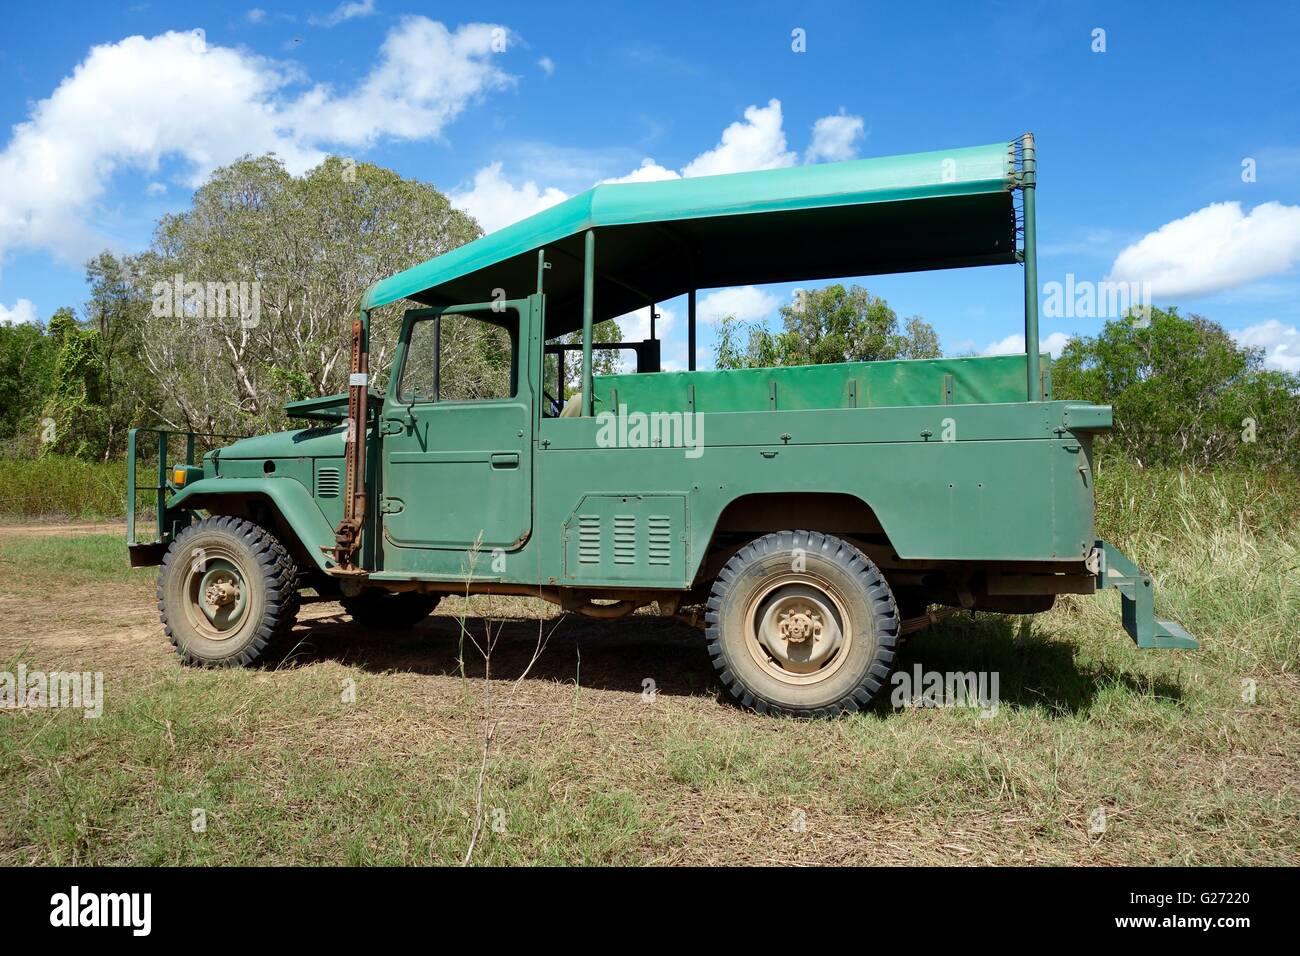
[572, 407]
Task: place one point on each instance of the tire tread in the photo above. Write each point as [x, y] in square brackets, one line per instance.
[874, 588]
[280, 576]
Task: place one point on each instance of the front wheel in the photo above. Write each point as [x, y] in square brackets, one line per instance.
[227, 592]
[802, 623]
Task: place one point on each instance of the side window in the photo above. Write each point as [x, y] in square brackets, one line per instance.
[460, 358]
[417, 372]
[475, 359]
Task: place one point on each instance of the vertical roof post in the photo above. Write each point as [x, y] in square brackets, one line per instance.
[1028, 183]
[588, 311]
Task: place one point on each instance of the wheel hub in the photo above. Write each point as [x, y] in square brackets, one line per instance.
[799, 624]
[797, 629]
[219, 597]
[222, 593]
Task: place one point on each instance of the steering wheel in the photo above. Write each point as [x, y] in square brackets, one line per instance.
[556, 407]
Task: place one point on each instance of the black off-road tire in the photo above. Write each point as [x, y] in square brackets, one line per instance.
[268, 577]
[390, 612]
[853, 590]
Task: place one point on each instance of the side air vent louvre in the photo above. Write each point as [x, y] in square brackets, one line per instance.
[589, 539]
[625, 539]
[660, 540]
[327, 483]
[633, 539]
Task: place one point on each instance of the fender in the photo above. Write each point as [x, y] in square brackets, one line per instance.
[821, 507]
[295, 505]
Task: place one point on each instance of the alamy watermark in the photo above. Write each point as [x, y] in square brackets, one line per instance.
[922, 688]
[178, 299]
[41, 690]
[1085, 299]
[624, 429]
[133, 911]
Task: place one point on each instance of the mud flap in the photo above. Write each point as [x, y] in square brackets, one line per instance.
[1114, 570]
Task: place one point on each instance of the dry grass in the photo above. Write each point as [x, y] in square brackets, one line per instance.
[587, 768]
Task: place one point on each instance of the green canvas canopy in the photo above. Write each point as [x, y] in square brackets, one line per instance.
[657, 240]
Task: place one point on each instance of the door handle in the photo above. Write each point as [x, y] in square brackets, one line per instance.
[505, 459]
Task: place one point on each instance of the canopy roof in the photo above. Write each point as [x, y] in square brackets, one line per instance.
[657, 240]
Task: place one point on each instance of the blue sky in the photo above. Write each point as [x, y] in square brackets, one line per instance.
[509, 106]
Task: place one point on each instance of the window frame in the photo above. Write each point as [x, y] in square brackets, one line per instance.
[509, 318]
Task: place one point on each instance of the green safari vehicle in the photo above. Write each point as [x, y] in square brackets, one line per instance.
[808, 518]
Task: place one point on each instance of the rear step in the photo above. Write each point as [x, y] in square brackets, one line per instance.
[1114, 570]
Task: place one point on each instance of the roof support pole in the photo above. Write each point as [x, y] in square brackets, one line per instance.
[1028, 182]
[690, 331]
[588, 313]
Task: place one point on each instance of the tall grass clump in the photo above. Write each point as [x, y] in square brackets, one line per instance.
[1224, 549]
[57, 487]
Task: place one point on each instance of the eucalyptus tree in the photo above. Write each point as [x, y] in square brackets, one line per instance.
[254, 287]
[1184, 392]
[831, 324]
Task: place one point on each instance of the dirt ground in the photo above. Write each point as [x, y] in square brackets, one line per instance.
[591, 674]
[118, 624]
[632, 708]
[59, 529]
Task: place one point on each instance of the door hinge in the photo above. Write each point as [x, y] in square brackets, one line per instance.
[391, 506]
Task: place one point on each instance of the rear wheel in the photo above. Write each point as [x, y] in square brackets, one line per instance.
[802, 623]
[390, 612]
[227, 592]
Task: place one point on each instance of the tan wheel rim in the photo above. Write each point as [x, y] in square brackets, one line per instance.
[215, 592]
[797, 629]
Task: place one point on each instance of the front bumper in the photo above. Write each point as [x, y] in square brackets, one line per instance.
[151, 525]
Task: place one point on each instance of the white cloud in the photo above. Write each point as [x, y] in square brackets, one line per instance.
[155, 188]
[835, 138]
[133, 103]
[1281, 343]
[756, 143]
[495, 202]
[547, 65]
[255, 15]
[425, 77]
[746, 303]
[1015, 345]
[636, 325]
[23, 311]
[345, 11]
[648, 172]
[1215, 248]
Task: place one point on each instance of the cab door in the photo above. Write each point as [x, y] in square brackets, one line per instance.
[457, 431]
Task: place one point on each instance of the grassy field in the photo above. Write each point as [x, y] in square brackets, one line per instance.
[364, 748]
